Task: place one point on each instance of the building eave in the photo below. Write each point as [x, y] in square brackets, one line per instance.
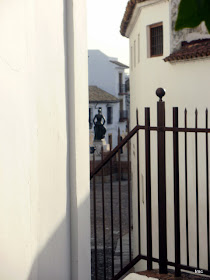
[119, 64]
[104, 101]
[191, 50]
[132, 13]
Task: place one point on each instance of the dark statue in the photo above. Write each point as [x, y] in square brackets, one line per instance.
[99, 127]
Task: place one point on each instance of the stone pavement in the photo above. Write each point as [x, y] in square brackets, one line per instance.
[170, 276]
[125, 230]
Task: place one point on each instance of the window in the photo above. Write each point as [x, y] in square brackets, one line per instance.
[156, 39]
[138, 48]
[109, 115]
[134, 53]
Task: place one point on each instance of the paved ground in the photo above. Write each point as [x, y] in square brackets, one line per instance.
[125, 229]
[170, 276]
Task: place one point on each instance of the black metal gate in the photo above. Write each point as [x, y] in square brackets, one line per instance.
[104, 262]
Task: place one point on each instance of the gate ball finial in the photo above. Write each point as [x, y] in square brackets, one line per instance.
[160, 92]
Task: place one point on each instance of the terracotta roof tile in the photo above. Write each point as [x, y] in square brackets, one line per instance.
[189, 50]
[119, 63]
[99, 95]
[128, 14]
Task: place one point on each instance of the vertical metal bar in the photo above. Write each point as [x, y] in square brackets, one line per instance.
[129, 194]
[103, 214]
[186, 189]
[148, 188]
[207, 188]
[120, 206]
[94, 217]
[138, 184]
[162, 186]
[176, 193]
[112, 223]
[197, 194]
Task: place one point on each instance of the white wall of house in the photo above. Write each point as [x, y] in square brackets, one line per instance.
[103, 73]
[111, 128]
[187, 85]
[44, 217]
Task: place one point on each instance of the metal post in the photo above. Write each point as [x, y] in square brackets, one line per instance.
[112, 212]
[129, 194]
[103, 213]
[148, 188]
[176, 193]
[186, 189]
[138, 183]
[94, 221]
[207, 188]
[197, 188]
[120, 202]
[161, 183]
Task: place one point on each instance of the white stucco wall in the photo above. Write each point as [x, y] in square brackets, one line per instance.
[36, 164]
[103, 73]
[187, 85]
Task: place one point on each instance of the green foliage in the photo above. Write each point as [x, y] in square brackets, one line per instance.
[192, 12]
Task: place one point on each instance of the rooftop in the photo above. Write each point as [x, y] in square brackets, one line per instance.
[119, 63]
[101, 96]
[190, 50]
[128, 14]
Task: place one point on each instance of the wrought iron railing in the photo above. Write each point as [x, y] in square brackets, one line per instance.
[114, 157]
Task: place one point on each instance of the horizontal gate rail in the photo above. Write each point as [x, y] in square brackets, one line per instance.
[175, 129]
[182, 129]
[133, 132]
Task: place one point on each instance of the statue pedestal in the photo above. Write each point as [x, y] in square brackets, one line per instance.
[98, 144]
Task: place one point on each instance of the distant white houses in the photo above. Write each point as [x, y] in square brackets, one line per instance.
[108, 89]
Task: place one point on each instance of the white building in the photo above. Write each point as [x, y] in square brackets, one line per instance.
[107, 74]
[159, 58]
[44, 217]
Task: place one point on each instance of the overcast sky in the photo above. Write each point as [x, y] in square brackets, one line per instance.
[104, 19]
